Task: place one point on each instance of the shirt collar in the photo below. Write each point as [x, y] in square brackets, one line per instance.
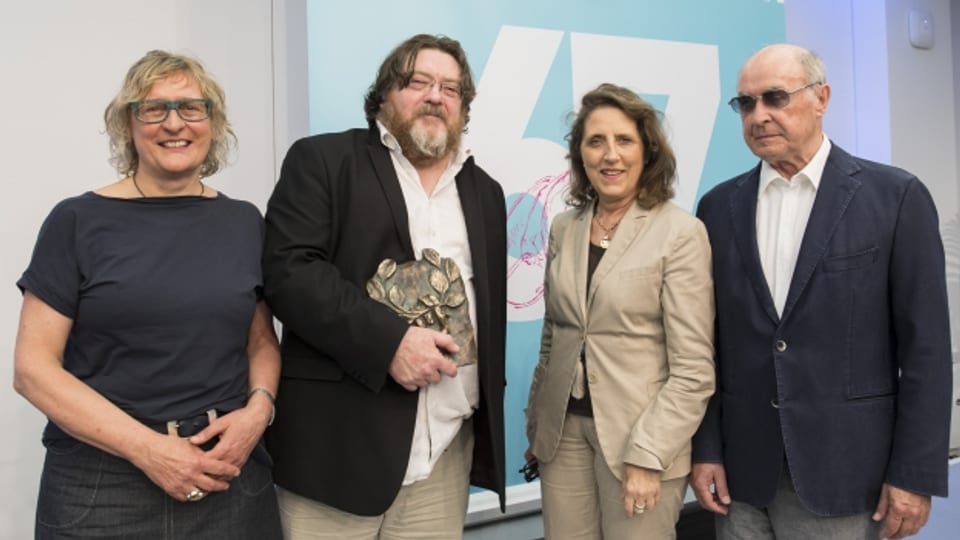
[812, 171]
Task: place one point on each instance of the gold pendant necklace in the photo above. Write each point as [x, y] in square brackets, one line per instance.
[605, 241]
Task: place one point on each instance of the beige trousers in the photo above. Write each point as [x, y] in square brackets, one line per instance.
[583, 500]
[433, 508]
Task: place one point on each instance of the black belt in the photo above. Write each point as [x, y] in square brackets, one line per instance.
[188, 427]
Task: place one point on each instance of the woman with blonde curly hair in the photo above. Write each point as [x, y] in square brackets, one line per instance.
[143, 337]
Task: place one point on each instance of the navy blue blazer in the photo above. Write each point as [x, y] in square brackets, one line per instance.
[852, 384]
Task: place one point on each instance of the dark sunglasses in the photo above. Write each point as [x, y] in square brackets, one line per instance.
[775, 99]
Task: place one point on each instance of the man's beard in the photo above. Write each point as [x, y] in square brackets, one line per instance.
[418, 144]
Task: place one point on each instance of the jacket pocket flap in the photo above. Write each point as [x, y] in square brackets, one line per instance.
[839, 263]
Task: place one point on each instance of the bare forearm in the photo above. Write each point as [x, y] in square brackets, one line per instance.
[264, 353]
[79, 410]
[69, 402]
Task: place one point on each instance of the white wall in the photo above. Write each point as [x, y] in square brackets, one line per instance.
[806, 27]
[923, 135]
[955, 37]
[62, 62]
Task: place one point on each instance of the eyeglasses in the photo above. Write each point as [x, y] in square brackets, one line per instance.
[775, 99]
[155, 111]
[449, 89]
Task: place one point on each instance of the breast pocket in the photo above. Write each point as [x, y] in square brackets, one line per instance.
[851, 261]
[637, 291]
[640, 272]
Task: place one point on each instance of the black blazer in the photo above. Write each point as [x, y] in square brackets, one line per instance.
[343, 428]
[853, 383]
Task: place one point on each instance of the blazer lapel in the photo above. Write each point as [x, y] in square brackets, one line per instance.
[474, 218]
[837, 188]
[743, 213]
[580, 250]
[387, 176]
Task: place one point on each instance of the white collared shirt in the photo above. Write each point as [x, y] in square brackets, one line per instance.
[783, 209]
[436, 221]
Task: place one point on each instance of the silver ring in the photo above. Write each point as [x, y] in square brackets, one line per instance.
[639, 508]
[195, 495]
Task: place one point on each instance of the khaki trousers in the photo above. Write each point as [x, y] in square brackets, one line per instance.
[433, 508]
[583, 500]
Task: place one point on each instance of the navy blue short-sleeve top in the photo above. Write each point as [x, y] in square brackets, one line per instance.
[161, 291]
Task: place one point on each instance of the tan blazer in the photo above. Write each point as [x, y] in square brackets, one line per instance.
[647, 328]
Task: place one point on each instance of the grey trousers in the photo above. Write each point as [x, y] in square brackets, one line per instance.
[787, 519]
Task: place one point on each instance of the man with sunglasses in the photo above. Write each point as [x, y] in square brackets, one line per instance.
[378, 434]
[831, 416]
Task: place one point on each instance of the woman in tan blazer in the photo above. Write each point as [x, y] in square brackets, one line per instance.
[626, 357]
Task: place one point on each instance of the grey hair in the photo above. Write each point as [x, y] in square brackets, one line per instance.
[813, 67]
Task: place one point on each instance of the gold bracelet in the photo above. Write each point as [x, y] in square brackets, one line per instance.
[270, 396]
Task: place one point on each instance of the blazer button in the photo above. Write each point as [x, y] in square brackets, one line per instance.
[592, 378]
[780, 345]
[774, 404]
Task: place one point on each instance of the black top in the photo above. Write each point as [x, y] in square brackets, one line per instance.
[584, 406]
[162, 293]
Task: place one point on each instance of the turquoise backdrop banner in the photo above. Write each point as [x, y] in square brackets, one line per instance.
[533, 60]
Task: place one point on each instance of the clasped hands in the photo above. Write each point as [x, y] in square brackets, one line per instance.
[180, 466]
[419, 360]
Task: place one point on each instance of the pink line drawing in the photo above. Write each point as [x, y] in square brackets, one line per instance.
[527, 235]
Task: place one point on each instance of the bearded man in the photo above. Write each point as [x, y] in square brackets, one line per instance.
[377, 433]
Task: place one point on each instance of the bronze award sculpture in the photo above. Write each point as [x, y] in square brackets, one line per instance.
[428, 293]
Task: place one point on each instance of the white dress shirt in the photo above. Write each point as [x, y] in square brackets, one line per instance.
[783, 209]
[436, 221]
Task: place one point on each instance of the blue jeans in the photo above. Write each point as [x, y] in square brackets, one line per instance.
[88, 493]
